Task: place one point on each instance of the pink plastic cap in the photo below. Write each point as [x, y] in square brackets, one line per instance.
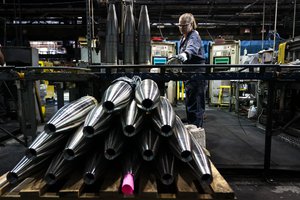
[128, 184]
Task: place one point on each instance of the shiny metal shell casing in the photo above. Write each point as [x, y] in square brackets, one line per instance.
[147, 95]
[164, 117]
[144, 37]
[111, 36]
[96, 122]
[129, 36]
[77, 145]
[46, 144]
[181, 142]
[58, 168]
[149, 144]
[165, 166]
[116, 96]
[131, 163]
[200, 163]
[95, 167]
[132, 119]
[113, 143]
[70, 115]
[26, 167]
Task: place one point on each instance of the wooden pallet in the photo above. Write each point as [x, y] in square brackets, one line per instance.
[147, 188]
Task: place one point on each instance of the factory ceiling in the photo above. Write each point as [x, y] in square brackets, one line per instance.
[66, 19]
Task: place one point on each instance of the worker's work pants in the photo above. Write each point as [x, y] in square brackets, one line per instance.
[195, 101]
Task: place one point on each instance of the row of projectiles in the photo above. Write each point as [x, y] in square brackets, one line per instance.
[132, 123]
[143, 42]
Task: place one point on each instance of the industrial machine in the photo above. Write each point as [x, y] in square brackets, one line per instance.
[287, 99]
[227, 52]
[289, 51]
[222, 52]
[160, 52]
[15, 98]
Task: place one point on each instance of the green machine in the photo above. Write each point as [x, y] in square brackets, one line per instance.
[222, 52]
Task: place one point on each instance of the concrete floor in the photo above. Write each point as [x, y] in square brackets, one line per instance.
[237, 149]
[236, 146]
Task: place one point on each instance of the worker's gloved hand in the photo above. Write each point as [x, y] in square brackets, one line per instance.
[182, 57]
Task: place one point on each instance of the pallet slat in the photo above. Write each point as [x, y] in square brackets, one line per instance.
[147, 187]
[15, 191]
[186, 188]
[110, 186]
[34, 188]
[4, 184]
[72, 188]
[220, 186]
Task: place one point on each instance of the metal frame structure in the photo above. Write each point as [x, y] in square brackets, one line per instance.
[272, 74]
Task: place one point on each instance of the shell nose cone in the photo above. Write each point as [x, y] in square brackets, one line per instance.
[147, 95]
[69, 154]
[207, 178]
[167, 179]
[109, 106]
[147, 103]
[148, 155]
[166, 130]
[88, 131]
[129, 130]
[12, 177]
[50, 179]
[89, 178]
[31, 153]
[50, 128]
[186, 156]
[110, 154]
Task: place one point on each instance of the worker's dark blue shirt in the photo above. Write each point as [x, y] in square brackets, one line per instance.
[192, 46]
[194, 89]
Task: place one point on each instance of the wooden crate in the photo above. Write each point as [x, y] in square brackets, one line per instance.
[147, 187]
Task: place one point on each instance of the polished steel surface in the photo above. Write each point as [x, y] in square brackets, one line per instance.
[132, 119]
[26, 167]
[131, 163]
[116, 96]
[129, 36]
[164, 117]
[147, 95]
[111, 36]
[144, 37]
[77, 145]
[70, 115]
[181, 142]
[149, 144]
[58, 168]
[200, 163]
[165, 166]
[46, 144]
[95, 167]
[96, 122]
[113, 143]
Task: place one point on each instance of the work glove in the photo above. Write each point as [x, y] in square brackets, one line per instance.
[182, 57]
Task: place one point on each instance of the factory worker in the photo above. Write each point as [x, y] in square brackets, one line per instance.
[191, 52]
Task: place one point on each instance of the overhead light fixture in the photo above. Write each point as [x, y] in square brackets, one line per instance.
[247, 30]
[249, 14]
